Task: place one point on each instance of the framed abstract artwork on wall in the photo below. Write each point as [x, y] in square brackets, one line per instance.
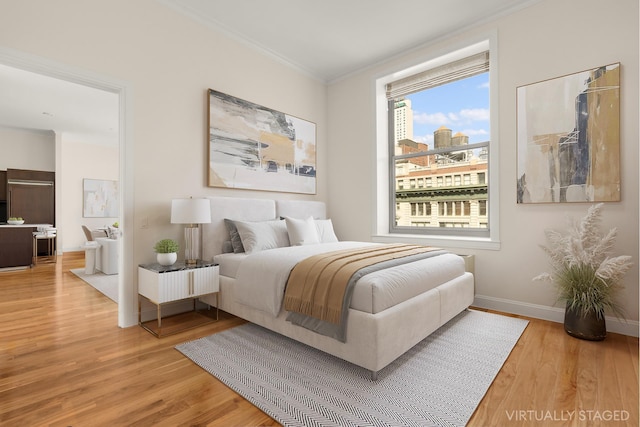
[568, 133]
[257, 148]
[100, 198]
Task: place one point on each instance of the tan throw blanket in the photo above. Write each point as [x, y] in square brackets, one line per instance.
[317, 285]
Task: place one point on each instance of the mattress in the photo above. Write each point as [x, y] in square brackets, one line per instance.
[229, 263]
[380, 290]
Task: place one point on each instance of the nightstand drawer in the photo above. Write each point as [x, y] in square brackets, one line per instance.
[162, 287]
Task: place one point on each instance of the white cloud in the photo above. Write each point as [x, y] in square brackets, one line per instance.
[474, 132]
[475, 114]
[452, 119]
[438, 119]
[426, 139]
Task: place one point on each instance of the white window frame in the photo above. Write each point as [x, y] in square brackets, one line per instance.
[382, 195]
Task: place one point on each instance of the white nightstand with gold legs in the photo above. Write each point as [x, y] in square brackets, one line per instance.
[168, 284]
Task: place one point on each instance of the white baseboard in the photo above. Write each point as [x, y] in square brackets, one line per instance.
[554, 314]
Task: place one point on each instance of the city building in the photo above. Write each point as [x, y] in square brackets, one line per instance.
[403, 119]
[439, 190]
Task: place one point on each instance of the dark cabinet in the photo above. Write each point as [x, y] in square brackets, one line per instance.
[3, 185]
[16, 246]
[3, 196]
[31, 195]
[34, 203]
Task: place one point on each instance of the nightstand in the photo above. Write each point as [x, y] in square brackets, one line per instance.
[162, 284]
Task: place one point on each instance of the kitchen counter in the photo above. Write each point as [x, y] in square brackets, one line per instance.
[25, 225]
[16, 244]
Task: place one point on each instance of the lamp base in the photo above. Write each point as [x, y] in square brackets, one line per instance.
[192, 244]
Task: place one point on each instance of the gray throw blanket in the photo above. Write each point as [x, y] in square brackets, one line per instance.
[338, 330]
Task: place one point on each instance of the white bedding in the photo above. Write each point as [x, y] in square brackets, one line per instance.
[229, 263]
[261, 277]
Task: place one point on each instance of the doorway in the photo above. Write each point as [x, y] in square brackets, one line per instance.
[127, 308]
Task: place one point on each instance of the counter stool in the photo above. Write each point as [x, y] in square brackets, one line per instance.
[52, 253]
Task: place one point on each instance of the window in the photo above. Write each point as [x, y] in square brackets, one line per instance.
[453, 158]
[482, 207]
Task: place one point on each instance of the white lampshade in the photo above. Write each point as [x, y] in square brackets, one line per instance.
[190, 211]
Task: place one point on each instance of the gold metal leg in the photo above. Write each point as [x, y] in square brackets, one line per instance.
[159, 309]
[158, 333]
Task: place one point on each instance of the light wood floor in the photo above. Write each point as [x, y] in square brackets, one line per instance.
[64, 362]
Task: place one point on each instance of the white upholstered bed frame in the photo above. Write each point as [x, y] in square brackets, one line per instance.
[373, 340]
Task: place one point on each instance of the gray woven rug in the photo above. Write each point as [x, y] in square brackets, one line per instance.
[439, 382]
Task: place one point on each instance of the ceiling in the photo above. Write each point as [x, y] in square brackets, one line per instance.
[332, 38]
[80, 113]
[327, 39]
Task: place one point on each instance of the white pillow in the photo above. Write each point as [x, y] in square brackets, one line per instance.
[259, 236]
[302, 231]
[325, 231]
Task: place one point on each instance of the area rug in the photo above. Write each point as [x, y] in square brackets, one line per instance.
[439, 382]
[104, 283]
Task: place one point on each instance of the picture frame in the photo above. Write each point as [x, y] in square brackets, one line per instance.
[100, 198]
[568, 138]
[253, 147]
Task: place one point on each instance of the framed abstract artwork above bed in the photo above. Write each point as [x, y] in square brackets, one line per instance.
[569, 138]
[257, 148]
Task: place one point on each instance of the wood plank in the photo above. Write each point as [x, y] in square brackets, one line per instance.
[63, 361]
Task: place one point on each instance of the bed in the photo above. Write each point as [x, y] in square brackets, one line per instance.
[390, 310]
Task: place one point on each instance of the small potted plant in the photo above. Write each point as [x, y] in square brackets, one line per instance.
[167, 250]
[585, 275]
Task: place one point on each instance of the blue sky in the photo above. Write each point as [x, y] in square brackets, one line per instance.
[462, 106]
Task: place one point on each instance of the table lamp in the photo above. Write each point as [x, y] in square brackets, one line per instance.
[192, 212]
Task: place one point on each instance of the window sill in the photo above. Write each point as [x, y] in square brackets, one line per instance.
[439, 241]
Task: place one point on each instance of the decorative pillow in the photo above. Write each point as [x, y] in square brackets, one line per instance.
[259, 236]
[302, 231]
[236, 242]
[325, 231]
[227, 247]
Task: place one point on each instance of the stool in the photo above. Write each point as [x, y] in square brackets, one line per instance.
[52, 253]
[90, 257]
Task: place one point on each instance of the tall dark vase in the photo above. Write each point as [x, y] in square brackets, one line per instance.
[589, 328]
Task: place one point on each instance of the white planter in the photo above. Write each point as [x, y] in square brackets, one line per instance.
[167, 259]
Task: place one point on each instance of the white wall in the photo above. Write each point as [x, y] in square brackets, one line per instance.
[80, 161]
[167, 62]
[549, 39]
[27, 149]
